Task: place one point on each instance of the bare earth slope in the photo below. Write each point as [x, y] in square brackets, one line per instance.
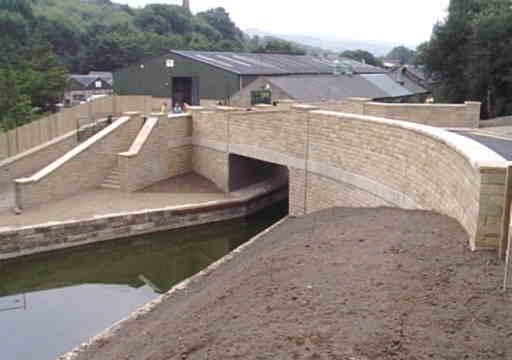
[339, 284]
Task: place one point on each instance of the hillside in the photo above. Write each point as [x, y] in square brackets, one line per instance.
[101, 35]
[330, 43]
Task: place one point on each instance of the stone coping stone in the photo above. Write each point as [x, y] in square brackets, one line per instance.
[477, 154]
[239, 197]
[74, 152]
[141, 138]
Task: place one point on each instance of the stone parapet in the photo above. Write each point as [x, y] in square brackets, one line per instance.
[465, 115]
[83, 167]
[161, 149]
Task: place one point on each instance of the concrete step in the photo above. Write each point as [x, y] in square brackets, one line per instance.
[110, 186]
[112, 181]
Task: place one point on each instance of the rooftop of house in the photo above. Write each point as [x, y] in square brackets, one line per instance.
[87, 80]
[411, 77]
[272, 64]
[330, 87]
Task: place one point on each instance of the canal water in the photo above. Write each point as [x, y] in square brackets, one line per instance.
[50, 303]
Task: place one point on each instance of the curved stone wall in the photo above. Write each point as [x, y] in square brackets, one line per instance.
[366, 161]
[356, 160]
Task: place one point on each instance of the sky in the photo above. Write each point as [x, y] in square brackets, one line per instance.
[397, 21]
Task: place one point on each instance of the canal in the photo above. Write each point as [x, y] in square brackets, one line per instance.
[50, 303]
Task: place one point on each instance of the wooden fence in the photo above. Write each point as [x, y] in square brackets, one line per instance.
[40, 131]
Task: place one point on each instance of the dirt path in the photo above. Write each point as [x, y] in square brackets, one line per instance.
[345, 284]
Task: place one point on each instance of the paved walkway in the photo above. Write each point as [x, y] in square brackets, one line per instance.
[180, 190]
[498, 139]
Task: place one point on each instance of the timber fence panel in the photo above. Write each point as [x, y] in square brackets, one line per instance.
[12, 141]
[4, 151]
[23, 137]
[45, 130]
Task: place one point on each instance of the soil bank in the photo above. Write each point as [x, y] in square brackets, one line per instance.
[358, 284]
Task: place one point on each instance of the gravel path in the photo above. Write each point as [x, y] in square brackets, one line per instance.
[345, 284]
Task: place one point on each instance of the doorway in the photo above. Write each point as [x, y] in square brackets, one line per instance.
[185, 90]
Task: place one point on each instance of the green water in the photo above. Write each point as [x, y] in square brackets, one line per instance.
[53, 302]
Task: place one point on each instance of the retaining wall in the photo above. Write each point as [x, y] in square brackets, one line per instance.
[354, 160]
[30, 161]
[52, 236]
[40, 131]
[84, 167]
[465, 115]
[162, 149]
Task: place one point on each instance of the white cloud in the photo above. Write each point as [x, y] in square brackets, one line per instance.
[401, 21]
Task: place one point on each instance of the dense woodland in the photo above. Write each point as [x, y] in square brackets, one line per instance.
[468, 57]
[45, 40]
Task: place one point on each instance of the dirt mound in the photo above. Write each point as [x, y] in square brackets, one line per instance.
[339, 284]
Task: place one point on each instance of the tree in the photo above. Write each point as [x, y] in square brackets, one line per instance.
[219, 19]
[45, 78]
[405, 55]
[15, 106]
[278, 46]
[470, 56]
[362, 56]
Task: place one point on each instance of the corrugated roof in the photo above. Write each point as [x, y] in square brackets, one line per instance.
[271, 64]
[315, 88]
[413, 83]
[387, 84]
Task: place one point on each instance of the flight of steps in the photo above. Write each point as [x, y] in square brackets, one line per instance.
[112, 181]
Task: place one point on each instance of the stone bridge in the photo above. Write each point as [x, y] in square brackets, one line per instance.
[331, 158]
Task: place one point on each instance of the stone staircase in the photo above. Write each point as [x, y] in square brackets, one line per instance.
[112, 181]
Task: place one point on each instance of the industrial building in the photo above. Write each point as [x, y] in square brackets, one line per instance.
[194, 77]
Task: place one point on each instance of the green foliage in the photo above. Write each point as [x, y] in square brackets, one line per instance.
[103, 35]
[15, 105]
[219, 19]
[362, 56]
[405, 55]
[44, 39]
[32, 88]
[470, 55]
[278, 46]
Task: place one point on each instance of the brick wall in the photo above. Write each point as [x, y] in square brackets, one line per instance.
[84, 167]
[465, 115]
[161, 149]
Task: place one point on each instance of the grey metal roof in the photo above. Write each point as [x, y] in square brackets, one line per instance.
[414, 83]
[270, 64]
[104, 75]
[387, 84]
[315, 88]
[85, 80]
[417, 71]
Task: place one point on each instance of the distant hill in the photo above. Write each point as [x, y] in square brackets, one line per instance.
[378, 48]
[101, 35]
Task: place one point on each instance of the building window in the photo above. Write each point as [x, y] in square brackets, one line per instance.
[97, 84]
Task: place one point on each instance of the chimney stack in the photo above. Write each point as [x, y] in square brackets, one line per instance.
[186, 4]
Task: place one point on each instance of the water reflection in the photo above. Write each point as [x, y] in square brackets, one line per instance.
[56, 301]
